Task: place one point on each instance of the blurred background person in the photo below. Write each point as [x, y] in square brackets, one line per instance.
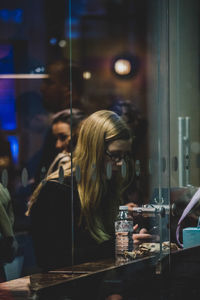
[57, 89]
[65, 126]
[37, 112]
[58, 93]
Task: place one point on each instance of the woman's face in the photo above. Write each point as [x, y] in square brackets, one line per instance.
[61, 133]
[116, 151]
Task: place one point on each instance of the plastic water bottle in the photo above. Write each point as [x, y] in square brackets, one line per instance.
[123, 235]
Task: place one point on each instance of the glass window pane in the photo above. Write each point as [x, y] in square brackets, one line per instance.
[99, 108]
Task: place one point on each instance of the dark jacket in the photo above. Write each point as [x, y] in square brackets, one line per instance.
[53, 233]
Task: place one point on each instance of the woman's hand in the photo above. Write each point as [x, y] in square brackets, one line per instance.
[142, 237]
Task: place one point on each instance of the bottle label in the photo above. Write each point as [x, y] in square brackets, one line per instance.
[124, 226]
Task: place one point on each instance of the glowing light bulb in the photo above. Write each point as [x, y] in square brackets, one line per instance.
[122, 67]
[62, 43]
[87, 75]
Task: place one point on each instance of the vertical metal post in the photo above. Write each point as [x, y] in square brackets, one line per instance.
[187, 150]
[184, 150]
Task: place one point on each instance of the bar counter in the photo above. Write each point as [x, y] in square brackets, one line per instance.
[172, 278]
[61, 283]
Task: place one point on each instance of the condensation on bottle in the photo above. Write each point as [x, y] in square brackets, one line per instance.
[123, 235]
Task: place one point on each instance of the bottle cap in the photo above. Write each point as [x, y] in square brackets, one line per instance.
[123, 207]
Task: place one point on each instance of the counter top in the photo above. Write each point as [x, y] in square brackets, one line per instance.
[77, 281]
[26, 287]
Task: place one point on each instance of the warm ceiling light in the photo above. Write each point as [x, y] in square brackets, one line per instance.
[125, 66]
[122, 67]
[87, 75]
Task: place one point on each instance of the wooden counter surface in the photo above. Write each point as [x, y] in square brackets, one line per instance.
[26, 288]
[66, 282]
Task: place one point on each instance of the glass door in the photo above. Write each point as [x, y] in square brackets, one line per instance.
[184, 109]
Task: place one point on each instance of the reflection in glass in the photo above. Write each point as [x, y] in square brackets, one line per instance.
[120, 26]
[123, 168]
[150, 166]
[61, 174]
[109, 170]
[78, 174]
[42, 173]
[163, 164]
[4, 178]
[137, 167]
[24, 177]
[175, 163]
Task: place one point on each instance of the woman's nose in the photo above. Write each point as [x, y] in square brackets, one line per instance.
[58, 144]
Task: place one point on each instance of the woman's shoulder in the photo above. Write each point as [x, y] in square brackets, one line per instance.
[66, 182]
[58, 187]
[55, 185]
[51, 194]
[55, 195]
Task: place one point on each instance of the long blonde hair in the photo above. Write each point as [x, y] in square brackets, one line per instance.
[96, 132]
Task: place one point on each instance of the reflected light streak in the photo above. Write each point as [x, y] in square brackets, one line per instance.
[23, 76]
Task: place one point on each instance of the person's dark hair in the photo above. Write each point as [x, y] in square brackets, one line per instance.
[73, 118]
[70, 118]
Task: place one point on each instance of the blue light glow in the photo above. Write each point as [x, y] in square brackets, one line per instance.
[7, 89]
[11, 16]
[53, 41]
[14, 147]
[7, 115]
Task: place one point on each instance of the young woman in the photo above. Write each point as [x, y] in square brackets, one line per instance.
[72, 216]
[64, 131]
